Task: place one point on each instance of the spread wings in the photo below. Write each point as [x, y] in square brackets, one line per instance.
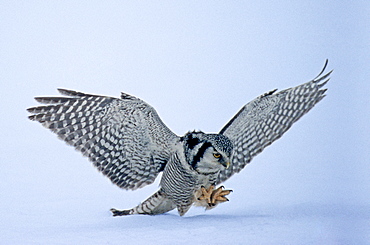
[267, 118]
[124, 138]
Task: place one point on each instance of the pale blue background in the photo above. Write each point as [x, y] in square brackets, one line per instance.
[197, 63]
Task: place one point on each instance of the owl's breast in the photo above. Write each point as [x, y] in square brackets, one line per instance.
[206, 180]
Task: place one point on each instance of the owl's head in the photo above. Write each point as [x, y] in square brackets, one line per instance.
[207, 153]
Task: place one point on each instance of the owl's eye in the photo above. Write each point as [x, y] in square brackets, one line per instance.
[217, 155]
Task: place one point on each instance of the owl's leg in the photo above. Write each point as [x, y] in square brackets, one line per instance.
[212, 196]
[158, 203]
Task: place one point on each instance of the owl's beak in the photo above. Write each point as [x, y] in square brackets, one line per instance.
[226, 164]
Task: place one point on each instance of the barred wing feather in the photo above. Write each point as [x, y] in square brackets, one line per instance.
[267, 118]
[124, 138]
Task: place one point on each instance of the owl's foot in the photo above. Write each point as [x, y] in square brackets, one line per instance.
[214, 197]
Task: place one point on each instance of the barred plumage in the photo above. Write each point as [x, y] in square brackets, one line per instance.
[128, 142]
[267, 118]
[179, 183]
[124, 138]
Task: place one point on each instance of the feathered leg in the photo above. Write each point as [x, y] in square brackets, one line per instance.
[158, 203]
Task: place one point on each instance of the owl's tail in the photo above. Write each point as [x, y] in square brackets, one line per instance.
[158, 203]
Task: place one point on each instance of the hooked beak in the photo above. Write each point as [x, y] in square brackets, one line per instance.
[226, 164]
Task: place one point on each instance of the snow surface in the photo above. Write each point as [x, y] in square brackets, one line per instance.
[299, 224]
[197, 63]
[76, 212]
[74, 216]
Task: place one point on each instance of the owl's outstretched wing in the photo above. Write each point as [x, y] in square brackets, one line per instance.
[267, 118]
[124, 138]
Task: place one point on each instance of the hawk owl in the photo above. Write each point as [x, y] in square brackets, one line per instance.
[128, 142]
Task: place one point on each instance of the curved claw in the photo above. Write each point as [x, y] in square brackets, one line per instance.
[218, 195]
[206, 194]
[214, 197]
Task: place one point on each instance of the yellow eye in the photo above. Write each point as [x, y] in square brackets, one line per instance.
[217, 155]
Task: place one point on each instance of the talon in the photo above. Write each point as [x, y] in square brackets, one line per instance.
[218, 195]
[206, 194]
[214, 197]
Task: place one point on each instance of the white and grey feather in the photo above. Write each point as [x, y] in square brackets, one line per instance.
[267, 118]
[124, 138]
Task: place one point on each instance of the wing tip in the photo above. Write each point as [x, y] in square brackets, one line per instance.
[32, 117]
[64, 91]
[323, 69]
[126, 96]
[42, 100]
[69, 92]
[320, 76]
